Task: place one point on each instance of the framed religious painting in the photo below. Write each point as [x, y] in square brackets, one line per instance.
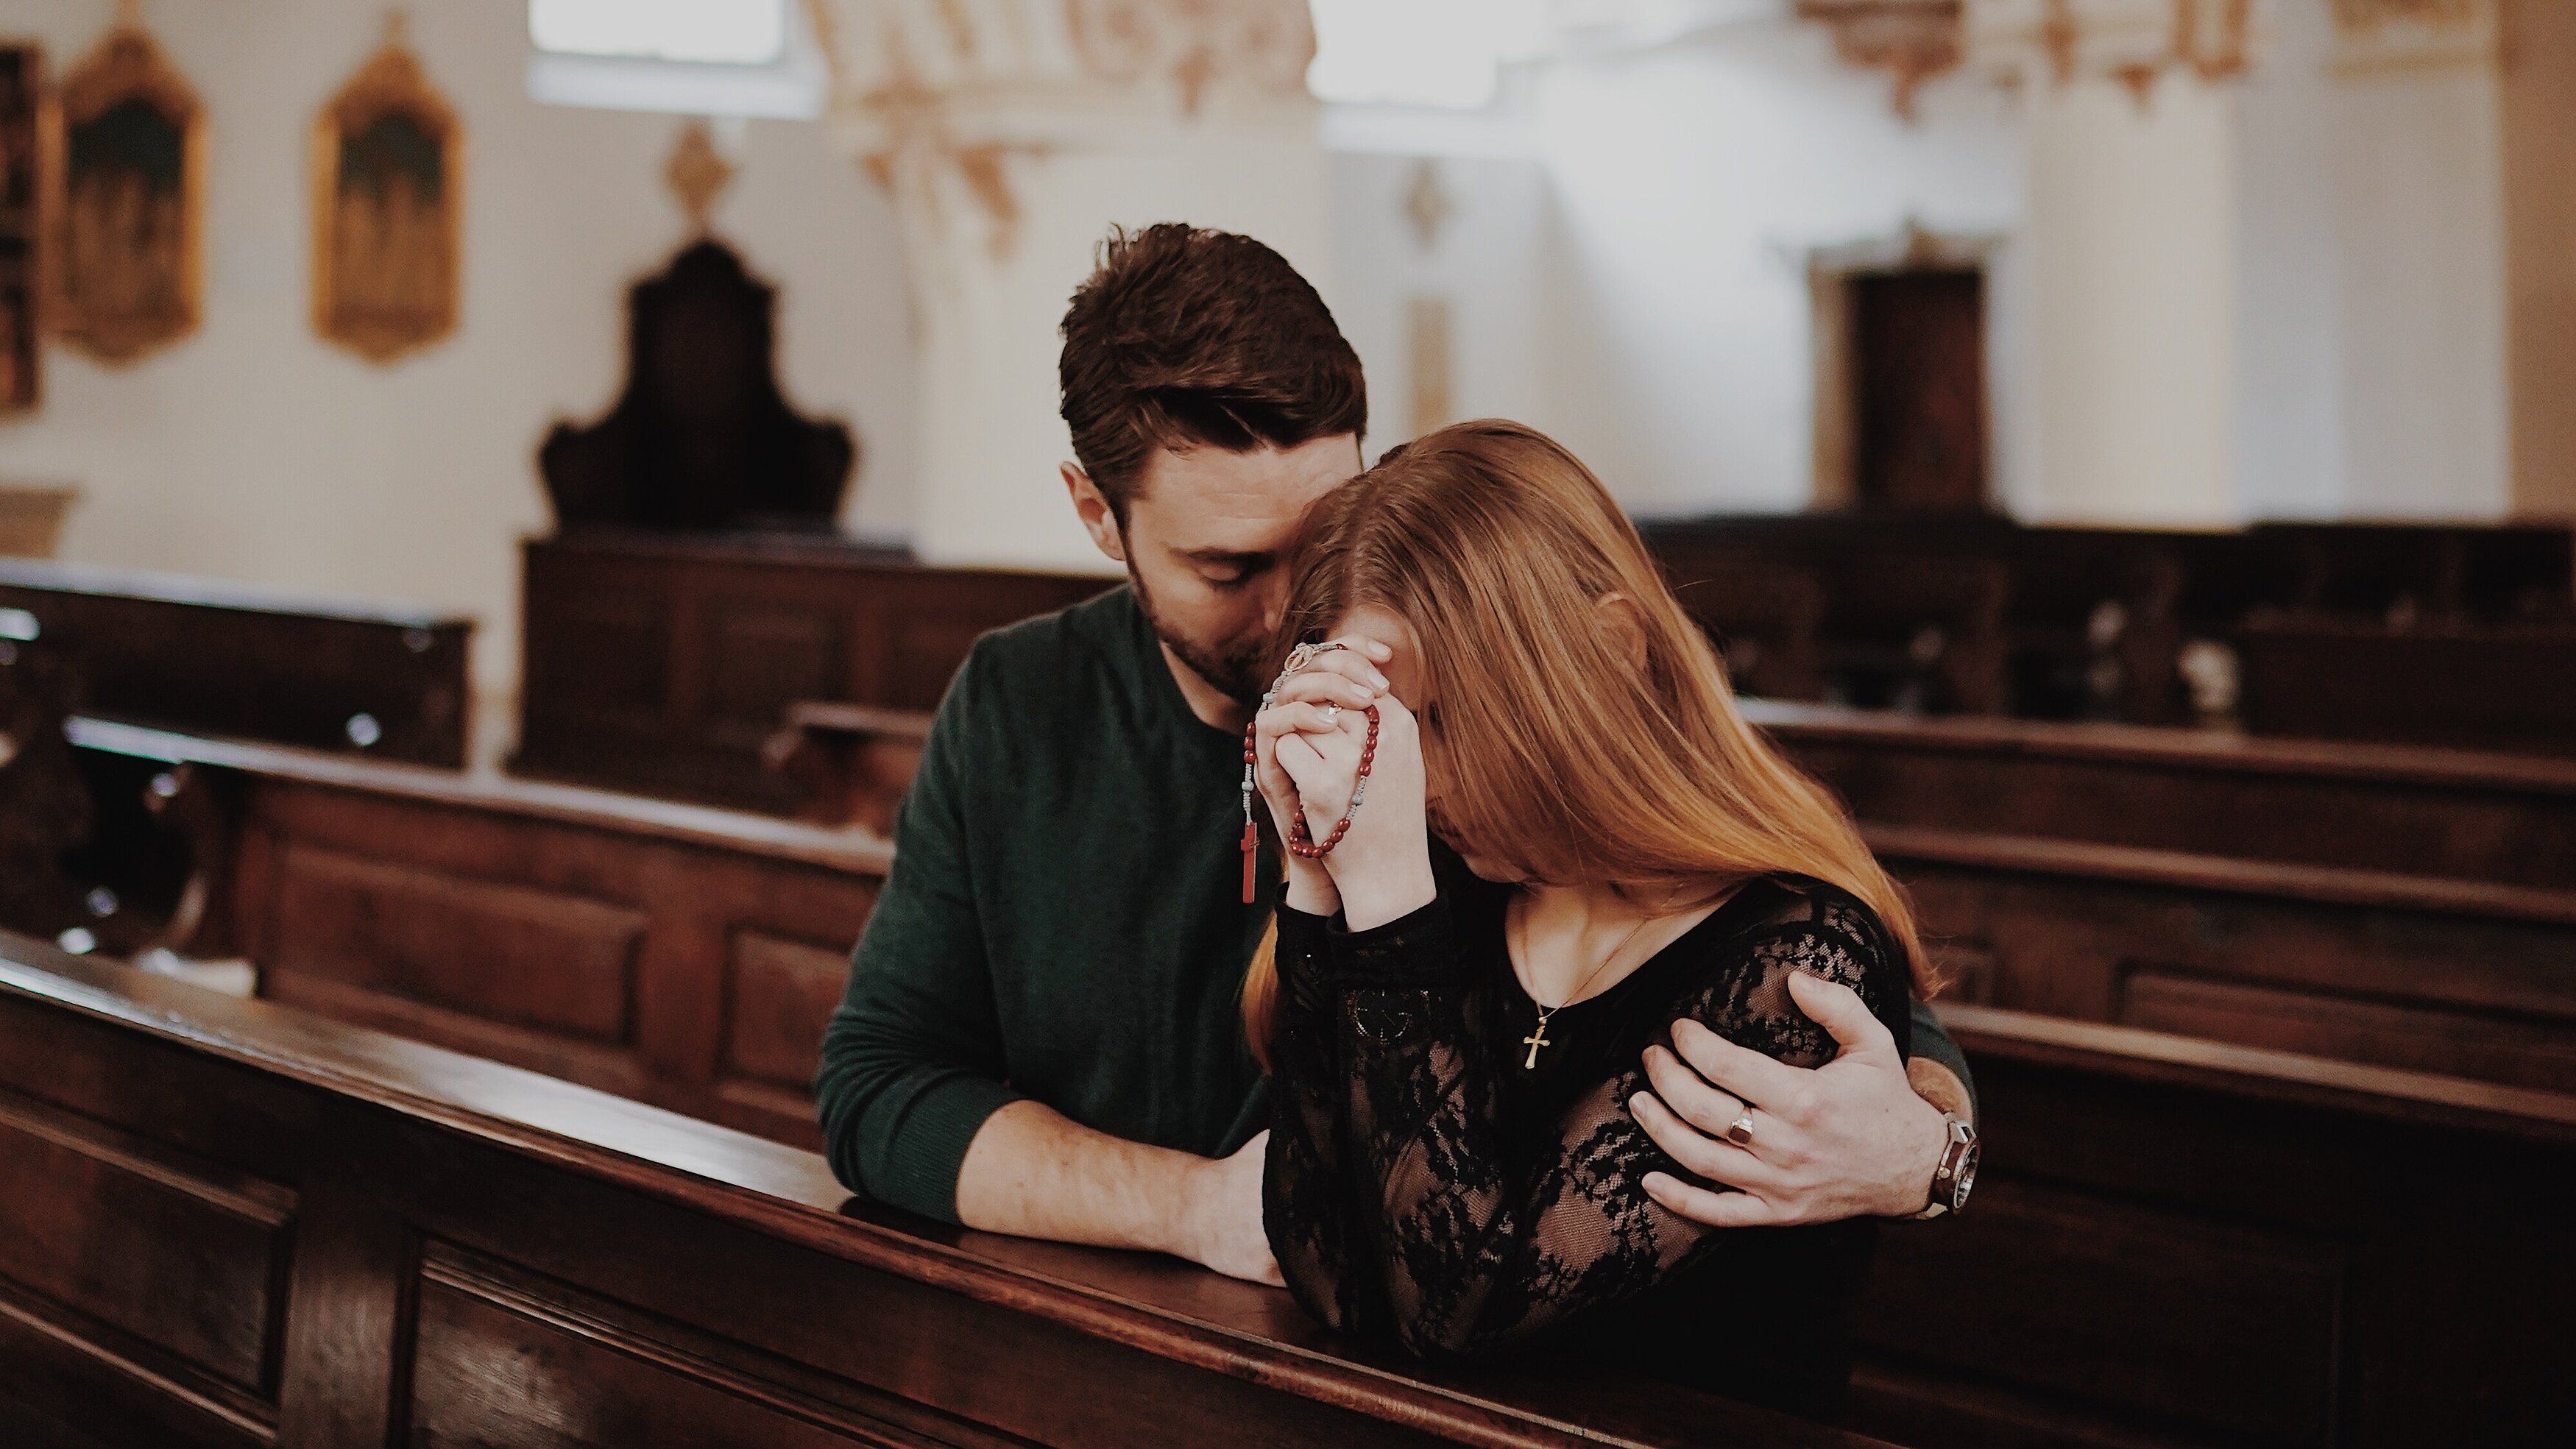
[128, 214]
[24, 115]
[387, 189]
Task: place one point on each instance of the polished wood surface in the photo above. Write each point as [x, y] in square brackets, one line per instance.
[2441, 814]
[663, 664]
[669, 953]
[2404, 906]
[239, 1224]
[2509, 687]
[2091, 623]
[2178, 1242]
[247, 1225]
[222, 659]
[2407, 907]
[849, 764]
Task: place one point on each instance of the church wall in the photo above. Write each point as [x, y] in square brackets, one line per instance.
[2131, 247]
[255, 450]
[1690, 186]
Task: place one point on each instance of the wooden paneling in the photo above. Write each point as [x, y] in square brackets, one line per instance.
[683, 956]
[2092, 621]
[510, 1363]
[183, 1257]
[2502, 687]
[219, 659]
[2441, 814]
[2232, 1324]
[662, 664]
[2181, 1243]
[781, 994]
[546, 959]
[2474, 984]
[488, 1257]
[2495, 1046]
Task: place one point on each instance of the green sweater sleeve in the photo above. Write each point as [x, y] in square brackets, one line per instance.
[1932, 1042]
[912, 1062]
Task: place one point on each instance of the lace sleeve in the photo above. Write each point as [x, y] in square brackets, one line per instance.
[1464, 1232]
[1303, 1178]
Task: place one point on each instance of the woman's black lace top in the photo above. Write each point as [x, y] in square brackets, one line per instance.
[1426, 1185]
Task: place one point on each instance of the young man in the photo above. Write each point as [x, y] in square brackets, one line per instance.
[1040, 1034]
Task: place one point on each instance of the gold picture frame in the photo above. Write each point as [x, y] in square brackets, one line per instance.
[27, 124]
[126, 202]
[388, 170]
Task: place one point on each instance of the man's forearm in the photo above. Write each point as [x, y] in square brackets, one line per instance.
[1941, 1087]
[1034, 1172]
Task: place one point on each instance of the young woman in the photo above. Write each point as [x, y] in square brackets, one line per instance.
[1545, 846]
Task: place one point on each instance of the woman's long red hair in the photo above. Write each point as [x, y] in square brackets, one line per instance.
[1561, 755]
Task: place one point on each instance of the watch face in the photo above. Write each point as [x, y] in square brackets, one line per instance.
[1967, 1176]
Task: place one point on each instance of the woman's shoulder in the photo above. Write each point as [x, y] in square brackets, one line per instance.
[1803, 904]
[1794, 921]
[1784, 925]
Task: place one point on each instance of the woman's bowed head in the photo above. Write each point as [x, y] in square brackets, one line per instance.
[1613, 842]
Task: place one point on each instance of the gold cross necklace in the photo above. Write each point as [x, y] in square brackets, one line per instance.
[1539, 1038]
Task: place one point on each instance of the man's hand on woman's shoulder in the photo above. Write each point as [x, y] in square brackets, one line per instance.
[1848, 1139]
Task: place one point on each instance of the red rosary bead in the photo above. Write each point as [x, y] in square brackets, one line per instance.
[1301, 842]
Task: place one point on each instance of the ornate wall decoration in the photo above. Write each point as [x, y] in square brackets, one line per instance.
[944, 99]
[2378, 35]
[1912, 40]
[2134, 42]
[128, 219]
[1193, 44]
[697, 174]
[24, 117]
[387, 190]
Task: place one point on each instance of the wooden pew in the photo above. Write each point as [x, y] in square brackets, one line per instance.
[2445, 815]
[231, 1223]
[246, 1225]
[2407, 907]
[662, 663]
[669, 953]
[223, 659]
[2475, 686]
[850, 764]
[2175, 1242]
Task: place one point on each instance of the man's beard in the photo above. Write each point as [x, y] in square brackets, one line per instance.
[1237, 668]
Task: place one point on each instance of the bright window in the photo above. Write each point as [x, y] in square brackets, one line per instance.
[704, 32]
[689, 57]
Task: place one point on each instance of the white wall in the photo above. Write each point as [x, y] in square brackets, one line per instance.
[1653, 311]
[1691, 185]
[2419, 173]
[254, 450]
[1486, 260]
[2130, 339]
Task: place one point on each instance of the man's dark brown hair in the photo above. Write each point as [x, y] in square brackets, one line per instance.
[1184, 337]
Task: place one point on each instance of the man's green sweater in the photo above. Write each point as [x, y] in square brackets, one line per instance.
[1065, 920]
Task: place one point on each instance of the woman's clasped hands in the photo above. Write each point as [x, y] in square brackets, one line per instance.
[1309, 740]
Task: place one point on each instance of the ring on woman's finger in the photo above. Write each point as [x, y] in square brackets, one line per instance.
[1332, 712]
[1740, 1131]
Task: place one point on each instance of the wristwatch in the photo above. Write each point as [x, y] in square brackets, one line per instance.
[1957, 1171]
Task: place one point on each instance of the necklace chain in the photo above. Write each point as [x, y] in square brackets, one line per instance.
[1539, 1038]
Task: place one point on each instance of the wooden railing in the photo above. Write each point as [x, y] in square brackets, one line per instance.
[217, 658]
[232, 1223]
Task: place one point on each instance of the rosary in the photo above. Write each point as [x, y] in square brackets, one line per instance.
[1301, 843]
